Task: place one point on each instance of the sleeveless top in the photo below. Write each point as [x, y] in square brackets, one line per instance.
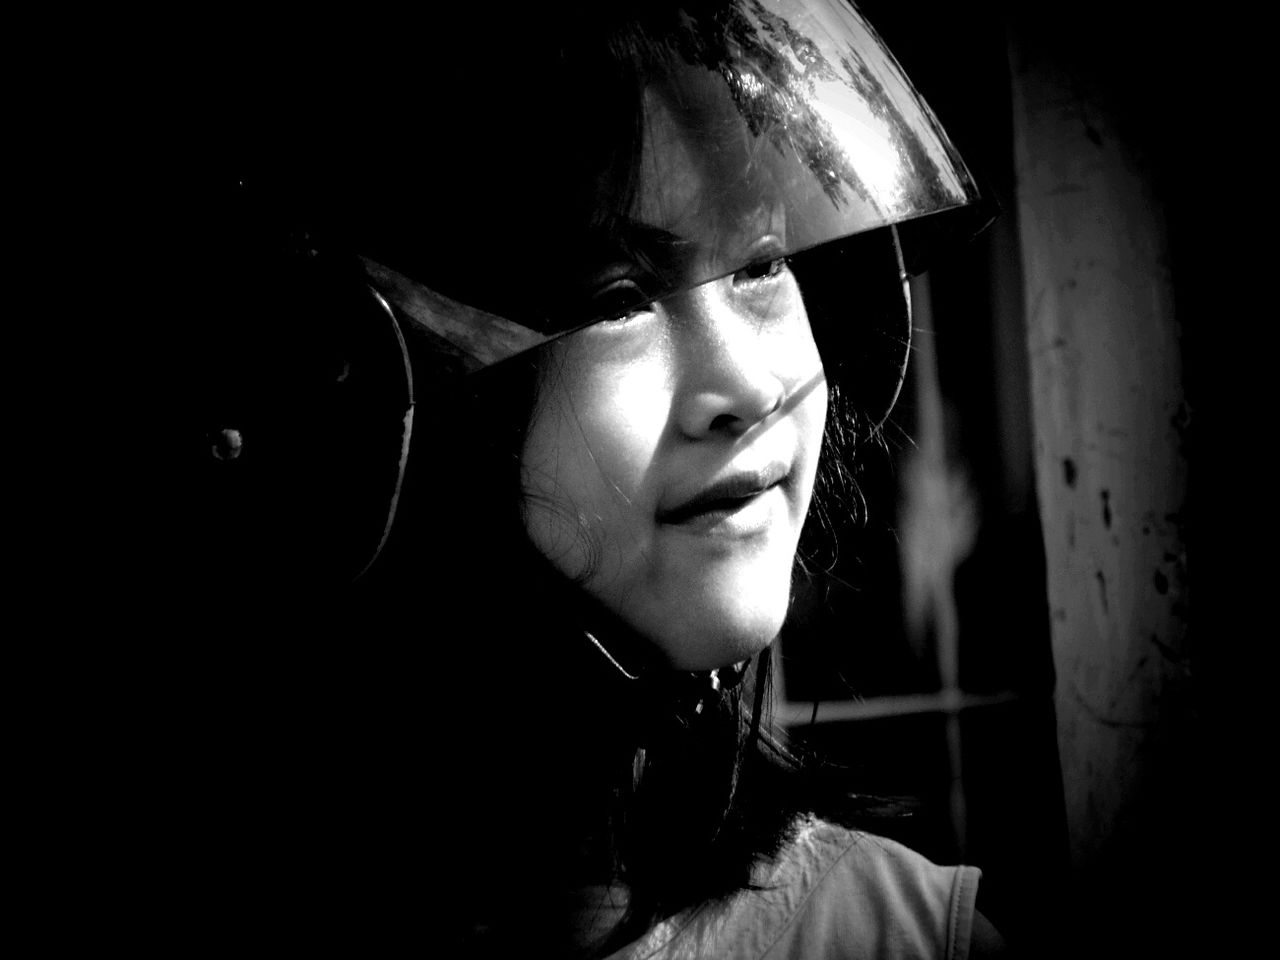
[832, 893]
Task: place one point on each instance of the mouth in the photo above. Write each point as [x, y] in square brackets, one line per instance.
[724, 498]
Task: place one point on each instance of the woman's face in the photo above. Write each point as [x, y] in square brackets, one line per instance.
[671, 453]
[670, 463]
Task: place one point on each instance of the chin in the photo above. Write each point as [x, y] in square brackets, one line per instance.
[723, 628]
[710, 652]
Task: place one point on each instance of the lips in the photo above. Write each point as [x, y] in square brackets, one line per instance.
[724, 496]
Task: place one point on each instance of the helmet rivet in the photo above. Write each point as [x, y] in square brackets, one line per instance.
[227, 444]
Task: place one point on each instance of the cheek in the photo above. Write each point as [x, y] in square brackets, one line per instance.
[798, 355]
[618, 419]
[812, 416]
[594, 433]
[809, 394]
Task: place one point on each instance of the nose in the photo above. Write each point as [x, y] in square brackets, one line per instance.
[729, 367]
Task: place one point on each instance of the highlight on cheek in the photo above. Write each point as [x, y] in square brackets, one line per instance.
[583, 460]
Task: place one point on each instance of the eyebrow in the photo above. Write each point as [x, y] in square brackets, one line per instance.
[635, 234]
[658, 251]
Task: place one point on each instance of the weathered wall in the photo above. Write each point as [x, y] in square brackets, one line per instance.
[1110, 421]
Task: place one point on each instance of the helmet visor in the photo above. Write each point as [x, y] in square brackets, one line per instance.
[685, 147]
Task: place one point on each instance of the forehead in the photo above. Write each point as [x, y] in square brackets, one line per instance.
[703, 198]
[699, 176]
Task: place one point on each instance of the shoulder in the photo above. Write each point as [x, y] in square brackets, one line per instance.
[855, 894]
[833, 893]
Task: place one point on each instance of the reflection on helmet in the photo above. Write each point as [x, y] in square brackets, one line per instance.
[705, 138]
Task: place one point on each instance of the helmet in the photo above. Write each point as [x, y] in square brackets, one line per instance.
[509, 193]
[467, 189]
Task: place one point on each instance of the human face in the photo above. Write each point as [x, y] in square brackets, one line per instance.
[670, 462]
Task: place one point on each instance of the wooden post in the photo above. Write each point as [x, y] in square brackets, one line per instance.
[1109, 424]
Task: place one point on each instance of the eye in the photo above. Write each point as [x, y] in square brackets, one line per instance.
[620, 300]
[761, 270]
